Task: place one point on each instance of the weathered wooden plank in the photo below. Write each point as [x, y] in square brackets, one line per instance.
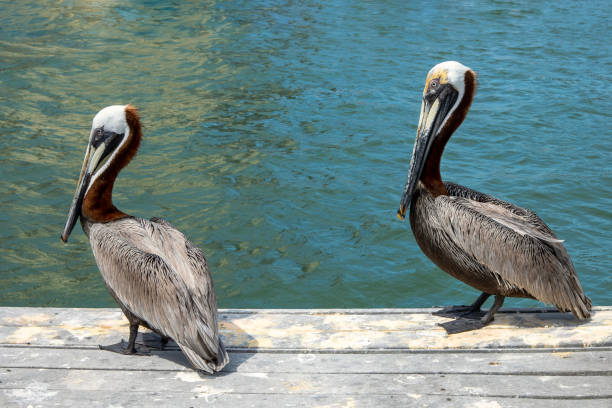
[486, 386]
[38, 395]
[321, 330]
[340, 358]
[493, 363]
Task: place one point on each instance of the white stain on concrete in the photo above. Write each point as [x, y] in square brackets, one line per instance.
[33, 393]
[189, 376]
[209, 393]
[255, 375]
[484, 404]
[306, 358]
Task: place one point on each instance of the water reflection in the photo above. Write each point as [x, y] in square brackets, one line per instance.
[278, 134]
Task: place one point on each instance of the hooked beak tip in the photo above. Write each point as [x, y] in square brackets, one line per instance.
[401, 215]
[64, 239]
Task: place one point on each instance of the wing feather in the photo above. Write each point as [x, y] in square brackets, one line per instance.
[163, 279]
[513, 242]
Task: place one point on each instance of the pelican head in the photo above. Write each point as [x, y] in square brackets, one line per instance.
[105, 155]
[448, 93]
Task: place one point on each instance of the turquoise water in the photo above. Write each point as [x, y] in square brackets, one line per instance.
[277, 135]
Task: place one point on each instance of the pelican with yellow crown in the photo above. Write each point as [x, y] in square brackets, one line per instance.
[496, 247]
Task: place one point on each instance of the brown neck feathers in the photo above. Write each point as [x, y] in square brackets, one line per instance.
[431, 172]
[98, 202]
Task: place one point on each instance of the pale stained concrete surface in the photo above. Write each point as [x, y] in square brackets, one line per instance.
[324, 329]
[314, 358]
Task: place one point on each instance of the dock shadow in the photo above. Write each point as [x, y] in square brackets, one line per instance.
[149, 343]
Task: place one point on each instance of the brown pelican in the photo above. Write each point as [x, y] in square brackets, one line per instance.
[493, 246]
[157, 276]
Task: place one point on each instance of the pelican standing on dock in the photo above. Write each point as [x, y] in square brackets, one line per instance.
[157, 276]
[493, 246]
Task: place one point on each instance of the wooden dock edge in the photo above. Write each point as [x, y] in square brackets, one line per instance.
[313, 358]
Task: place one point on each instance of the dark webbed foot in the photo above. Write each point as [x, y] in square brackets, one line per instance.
[471, 312]
[452, 311]
[123, 348]
[461, 325]
[131, 347]
[457, 309]
[467, 322]
[474, 311]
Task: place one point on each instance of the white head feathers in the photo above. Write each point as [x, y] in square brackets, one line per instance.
[112, 118]
[451, 72]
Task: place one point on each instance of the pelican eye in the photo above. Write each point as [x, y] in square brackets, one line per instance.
[104, 136]
[98, 137]
[434, 83]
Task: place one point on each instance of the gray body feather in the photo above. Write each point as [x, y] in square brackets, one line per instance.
[496, 247]
[159, 277]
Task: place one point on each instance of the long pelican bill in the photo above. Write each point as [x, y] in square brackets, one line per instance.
[77, 201]
[97, 154]
[434, 110]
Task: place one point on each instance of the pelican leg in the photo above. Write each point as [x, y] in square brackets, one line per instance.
[464, 323]
[131, 347]
[475, 307]
[499, 301]
[473, 311]
[164, 341]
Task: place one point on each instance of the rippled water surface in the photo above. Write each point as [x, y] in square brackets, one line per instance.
[277, 135]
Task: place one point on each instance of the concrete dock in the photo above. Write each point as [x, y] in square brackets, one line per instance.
[312, 358]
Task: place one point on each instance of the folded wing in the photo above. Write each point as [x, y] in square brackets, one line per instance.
[162, 278]
[513, 242]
